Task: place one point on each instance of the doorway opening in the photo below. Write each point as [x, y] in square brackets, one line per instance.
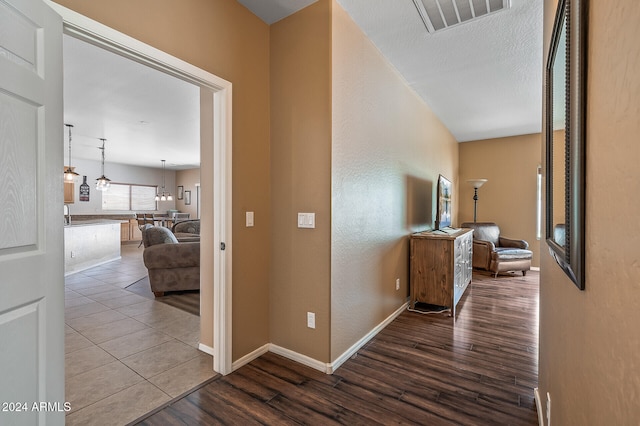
[215, 177]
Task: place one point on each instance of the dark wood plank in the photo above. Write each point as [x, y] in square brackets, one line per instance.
[209, 400]
[293, 400]
[359, 410]
[181, 412]
[421, 369]
[252, 407]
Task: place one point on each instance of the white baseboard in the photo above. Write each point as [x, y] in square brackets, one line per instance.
[536, 394]
[250, 357]
[328, 368]
[299, 358]
[360, 343]
[535, 268]
[206, 349]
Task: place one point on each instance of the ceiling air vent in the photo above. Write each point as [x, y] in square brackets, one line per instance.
[440, 14]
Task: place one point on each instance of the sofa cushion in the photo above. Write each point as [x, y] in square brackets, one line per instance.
[187, 238]
[170, 256]
[506, 254]
[152, 235]
[187, 227]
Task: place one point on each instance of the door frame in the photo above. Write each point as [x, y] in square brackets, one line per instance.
[93, 32]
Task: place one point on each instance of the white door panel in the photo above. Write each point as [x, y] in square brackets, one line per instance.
[31, 238]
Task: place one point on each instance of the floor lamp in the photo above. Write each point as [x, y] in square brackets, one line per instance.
[476, 183]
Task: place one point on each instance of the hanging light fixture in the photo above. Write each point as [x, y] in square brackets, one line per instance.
[69, 174]
[102, 183]
[165, 196]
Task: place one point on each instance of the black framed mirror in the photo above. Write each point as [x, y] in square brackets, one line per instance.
[565, 132]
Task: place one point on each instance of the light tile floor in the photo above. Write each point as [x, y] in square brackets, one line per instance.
[125, 354]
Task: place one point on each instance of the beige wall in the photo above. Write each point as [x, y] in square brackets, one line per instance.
[224, 38]
[188, 179]
[388, 149]
[589, 340]
[509, 196]
[301, 179]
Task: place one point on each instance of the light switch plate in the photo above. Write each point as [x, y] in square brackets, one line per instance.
[306, 220]
[311, 320]
[249, 219]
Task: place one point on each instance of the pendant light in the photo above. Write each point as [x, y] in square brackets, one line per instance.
[69, 174]
[102, 183]
[165, 196]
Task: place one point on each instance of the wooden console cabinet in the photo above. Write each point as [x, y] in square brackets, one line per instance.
[441, 267]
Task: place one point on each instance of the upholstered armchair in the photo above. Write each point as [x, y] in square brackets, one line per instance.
[495, 253]
[187, 230]
[172, 266]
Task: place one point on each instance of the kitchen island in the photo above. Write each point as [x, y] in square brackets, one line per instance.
[90, 243]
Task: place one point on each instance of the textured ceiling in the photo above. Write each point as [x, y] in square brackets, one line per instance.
[145, 115]
[482, 78]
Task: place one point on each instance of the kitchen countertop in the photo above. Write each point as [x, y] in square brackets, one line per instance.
[93, 222]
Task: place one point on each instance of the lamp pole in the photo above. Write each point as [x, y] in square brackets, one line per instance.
[476, 183]
[475, 203]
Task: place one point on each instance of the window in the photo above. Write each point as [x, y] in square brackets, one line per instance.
[143, 197]
[122, 196]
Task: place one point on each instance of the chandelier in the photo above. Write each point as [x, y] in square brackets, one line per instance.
[165, 196]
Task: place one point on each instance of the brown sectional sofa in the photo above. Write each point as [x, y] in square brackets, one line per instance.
[172, 265]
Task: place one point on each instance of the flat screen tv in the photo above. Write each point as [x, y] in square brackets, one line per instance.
[443, 215]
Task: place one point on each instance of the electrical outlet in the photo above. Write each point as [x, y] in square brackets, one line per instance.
[548, 409]
[73, 254]
[311, 320]
[397, 283]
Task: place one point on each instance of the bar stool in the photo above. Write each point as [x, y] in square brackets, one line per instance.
[179, 217]
[160, 219]
[141, 219]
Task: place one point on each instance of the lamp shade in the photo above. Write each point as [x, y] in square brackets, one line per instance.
[103, 182]
[69, 174]
[477, 183]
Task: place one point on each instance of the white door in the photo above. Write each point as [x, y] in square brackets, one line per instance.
[31, 222]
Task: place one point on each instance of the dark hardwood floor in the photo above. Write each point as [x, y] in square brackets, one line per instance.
[421, 369]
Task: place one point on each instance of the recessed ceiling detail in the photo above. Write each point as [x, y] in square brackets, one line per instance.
[441, 14]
